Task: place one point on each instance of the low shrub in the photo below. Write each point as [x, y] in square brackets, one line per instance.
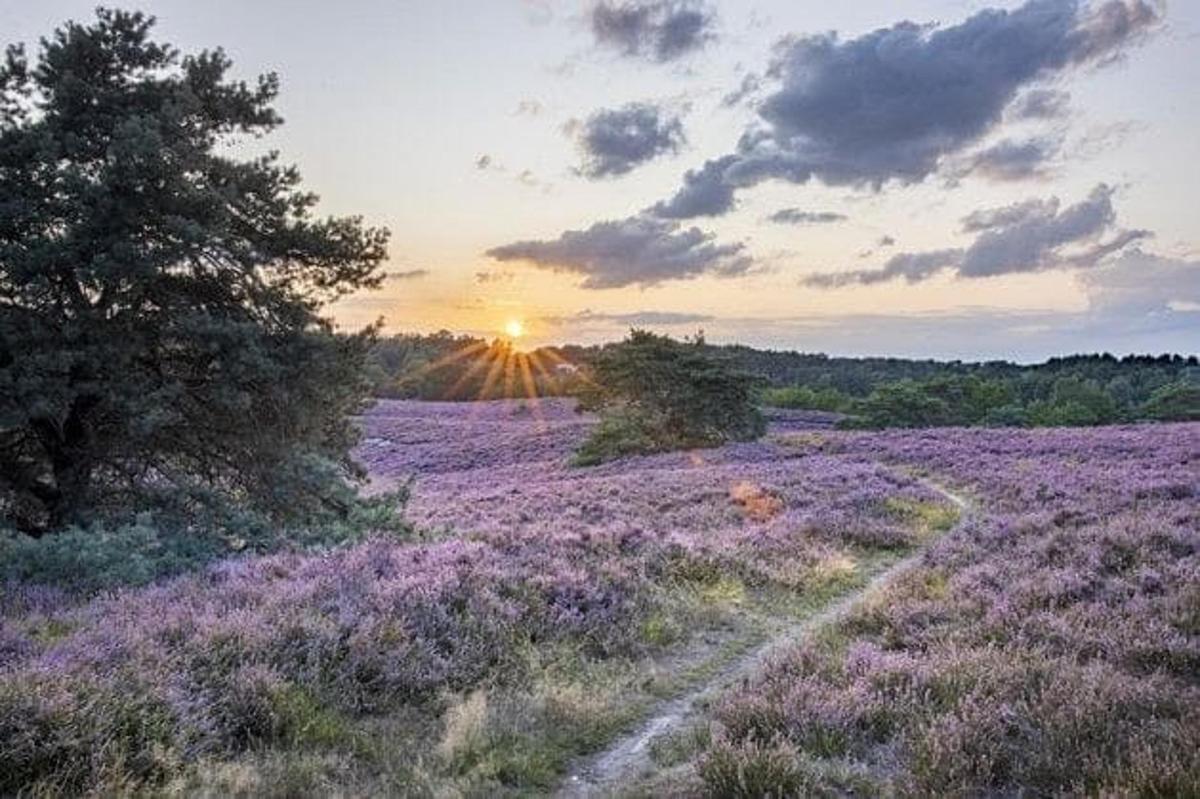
[619, 433]
[86, 560]
[806, 398]
[149, 547]
[751, 769]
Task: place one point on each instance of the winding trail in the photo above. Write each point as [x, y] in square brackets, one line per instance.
[628, 757]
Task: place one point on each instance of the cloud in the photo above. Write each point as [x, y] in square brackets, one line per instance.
[1040, 104]
[636, 318]
[1030, 236]
[529, 107]
[913, 266]
[977, 333]
[638, 250]
[1136, 302]
[989, 218]
[407, 274]
[527, 177]
[892, 104]
[749, 86]
[1010, 160]
[1100, 138]
[1034, 240]
[494, 276]
[485, 161]
[885, 241]
[1141, 283]
[614, 141]
[794, 216]
[658, 30]
[706, 192]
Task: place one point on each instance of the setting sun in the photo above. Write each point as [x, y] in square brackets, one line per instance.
[514, 328]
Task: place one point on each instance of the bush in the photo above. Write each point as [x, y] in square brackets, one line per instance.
[657, 394]
[901, 404]
[805, 398]
[1175, 402]
[111, 554]
[88, 559]
[50, 748]
[750, 769]
[1074, 403]
[621, 432]
[1007, 416]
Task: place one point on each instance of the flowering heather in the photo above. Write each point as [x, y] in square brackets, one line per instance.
[522, 552]
[1050, 646]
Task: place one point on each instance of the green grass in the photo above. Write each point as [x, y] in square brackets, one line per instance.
[926, 517]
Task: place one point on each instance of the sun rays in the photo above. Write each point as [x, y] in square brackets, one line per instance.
[500, 370]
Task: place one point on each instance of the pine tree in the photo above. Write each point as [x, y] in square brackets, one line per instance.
[160, 298]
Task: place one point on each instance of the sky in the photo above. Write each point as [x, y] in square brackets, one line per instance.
[968, 179]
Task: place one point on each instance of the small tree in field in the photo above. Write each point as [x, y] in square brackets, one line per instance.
[656, 394]
[160, 298]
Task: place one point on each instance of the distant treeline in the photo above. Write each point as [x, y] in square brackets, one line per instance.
[875, 392]
[1068, 391]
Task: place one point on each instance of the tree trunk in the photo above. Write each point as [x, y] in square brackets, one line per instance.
[73, 478]
[70, 450]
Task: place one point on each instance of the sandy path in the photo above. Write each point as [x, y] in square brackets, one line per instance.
[628, 757]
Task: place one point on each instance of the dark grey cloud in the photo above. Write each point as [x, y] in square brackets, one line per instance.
[1007, 215]
[1031, 236]
[659, 30]
[706, 192]
[636, 318]
[1033, 241]
[749, 86]
[1040, 104]
[614, 141]
[912, 266]
[407, 274]
[885, 241]
[892, 104]
[639, 250]
[794, 216]
[1009, 160]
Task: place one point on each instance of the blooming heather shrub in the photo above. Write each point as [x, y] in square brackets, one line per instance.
[751, 769]
[48, 742]
[216, 654]
[280, 649]
[1047, 647]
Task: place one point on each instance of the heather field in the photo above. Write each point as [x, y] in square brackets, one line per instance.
[528, 636]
